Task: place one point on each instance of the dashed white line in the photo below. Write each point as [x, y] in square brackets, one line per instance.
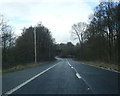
[78, 75]
[88, 88]
[24, 83]
[75, 70]
[69, 63]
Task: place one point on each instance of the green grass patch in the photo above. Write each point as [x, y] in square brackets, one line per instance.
[21, 67]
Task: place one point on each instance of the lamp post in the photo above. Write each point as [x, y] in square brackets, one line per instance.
[35, 45]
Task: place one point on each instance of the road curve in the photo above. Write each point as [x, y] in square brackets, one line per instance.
[64, 77]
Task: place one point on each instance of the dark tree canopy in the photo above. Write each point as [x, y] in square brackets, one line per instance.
[23, 51]
[102, 36]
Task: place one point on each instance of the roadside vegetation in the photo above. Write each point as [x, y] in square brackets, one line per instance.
[20, 50]
[103, 65]
[21, 67]
[99, 41]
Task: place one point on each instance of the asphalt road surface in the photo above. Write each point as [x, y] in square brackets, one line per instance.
[64, 76]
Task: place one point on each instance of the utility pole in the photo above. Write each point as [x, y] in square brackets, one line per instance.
[49, 52]
[35, 45]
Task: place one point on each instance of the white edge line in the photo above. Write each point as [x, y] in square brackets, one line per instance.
[24, 83]
[99, 67]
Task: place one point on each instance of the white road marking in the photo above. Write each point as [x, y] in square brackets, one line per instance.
[78, 75]
[24, 83]
[88, 88]
[75, 70]
[69, 63]
[101, 68]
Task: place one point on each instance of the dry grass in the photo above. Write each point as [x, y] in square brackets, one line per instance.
[103, 65]
[21, 67]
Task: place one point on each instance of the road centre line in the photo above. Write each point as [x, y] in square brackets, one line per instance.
[78, 76]
[24, 83]
[69, 63]
[74, 69]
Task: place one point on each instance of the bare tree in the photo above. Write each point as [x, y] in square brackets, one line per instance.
[78, 31]
[7, 36]
[6, 33]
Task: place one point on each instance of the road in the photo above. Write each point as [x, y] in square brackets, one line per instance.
[62, 77]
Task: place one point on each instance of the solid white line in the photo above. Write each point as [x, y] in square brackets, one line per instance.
[100, 67]
[24, 83]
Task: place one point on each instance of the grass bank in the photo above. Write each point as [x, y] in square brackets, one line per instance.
[21, 67]
[107, 66]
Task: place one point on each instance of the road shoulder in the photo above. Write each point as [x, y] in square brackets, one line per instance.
[105, 66]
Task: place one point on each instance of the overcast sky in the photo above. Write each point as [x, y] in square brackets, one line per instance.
[56, 15]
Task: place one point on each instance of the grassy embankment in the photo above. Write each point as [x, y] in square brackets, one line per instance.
[111, 67]
[21, 67]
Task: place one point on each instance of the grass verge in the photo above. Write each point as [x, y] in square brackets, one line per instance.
[21, 67]
[111, 67]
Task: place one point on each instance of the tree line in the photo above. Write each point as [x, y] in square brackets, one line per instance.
[20, 50]
[100, 39]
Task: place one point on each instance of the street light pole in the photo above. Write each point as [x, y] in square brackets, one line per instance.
[35, 45]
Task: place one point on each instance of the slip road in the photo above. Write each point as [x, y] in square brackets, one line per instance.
[63, 77]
